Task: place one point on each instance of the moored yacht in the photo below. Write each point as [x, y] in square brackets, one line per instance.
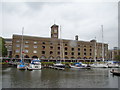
[80, 66]
[21, 66]
[59, 65]
[96, 65]
[112, 64]
[34, 65]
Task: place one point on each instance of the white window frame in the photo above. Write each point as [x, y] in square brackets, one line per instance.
[34, 51]
[26, 51]
[17, 51]
[26, 46]
[26, 41]
[17, 45]
[18, 41]
[35, 46]
[35, 42]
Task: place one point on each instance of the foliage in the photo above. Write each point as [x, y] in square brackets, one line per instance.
[117, 57]
[3, 49]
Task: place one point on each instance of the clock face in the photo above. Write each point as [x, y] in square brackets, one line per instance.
[55, 31]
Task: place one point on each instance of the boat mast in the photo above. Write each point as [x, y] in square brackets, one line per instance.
[95, 51]
[102, 44]
[61, 44]
[22, 45]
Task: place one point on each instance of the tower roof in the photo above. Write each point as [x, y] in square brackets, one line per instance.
[54, 25]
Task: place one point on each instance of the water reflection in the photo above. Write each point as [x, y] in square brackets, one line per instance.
[50, 78]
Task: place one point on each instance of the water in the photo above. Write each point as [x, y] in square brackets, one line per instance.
[50, 78]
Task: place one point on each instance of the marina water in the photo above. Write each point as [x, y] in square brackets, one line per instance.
[51, 78]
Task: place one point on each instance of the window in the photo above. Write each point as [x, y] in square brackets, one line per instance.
[26, 51]
[58, 53]
[84, 53]
[17, 45]
[26, 42]
[35, 42]
[35, 46]
[43, 47]
[34, 51]
[84, 49]
[72, 53]
[65, 53]
[51, 43]
[51, 47]
[90, 54]
[79, 53]
[51, 52]
[43, 42]
[58, 48]
[55, 31]
[66, 57]
[10, 46]
[84, 45]
[43, 52]
[90, 49]
[72, 49]
[78, 49]
[58, 43]
[17, 51]
[26, 46]
[66, 48]
[72, 57]
[65, 44]
[17, 41]
[78, 45]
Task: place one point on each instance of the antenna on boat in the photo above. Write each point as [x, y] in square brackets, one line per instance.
[102, 44]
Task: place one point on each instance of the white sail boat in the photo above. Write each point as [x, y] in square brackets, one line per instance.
[96, 64]
[21, 65]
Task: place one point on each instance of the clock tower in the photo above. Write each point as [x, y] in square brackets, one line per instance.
[54, 31]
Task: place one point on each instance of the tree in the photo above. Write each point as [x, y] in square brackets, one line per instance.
[117, 57]
[3, 49]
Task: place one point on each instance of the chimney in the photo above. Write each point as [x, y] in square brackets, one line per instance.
[76, 37]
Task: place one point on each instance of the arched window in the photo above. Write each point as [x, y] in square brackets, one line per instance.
[26, 56]
[51, 57]
[66, 48]
[42, 57]
[51, 52]
[79, 58]
[16, 56]
[66, 57]
[58, 57]
[90, 58]
[34, 57]
[72, 57]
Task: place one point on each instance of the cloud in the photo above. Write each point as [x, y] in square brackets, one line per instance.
[81, 18]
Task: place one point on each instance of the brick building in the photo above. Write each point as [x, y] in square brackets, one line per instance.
[55, 48]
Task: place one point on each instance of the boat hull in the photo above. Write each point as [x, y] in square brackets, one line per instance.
[34, 67]
[113, 66]
[99, 66]
[21, 67]
[80, 67]
[115, 73]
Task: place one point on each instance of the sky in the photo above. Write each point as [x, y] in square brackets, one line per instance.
[82, 18]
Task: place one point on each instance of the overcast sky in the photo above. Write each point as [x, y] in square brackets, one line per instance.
[76, 18]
